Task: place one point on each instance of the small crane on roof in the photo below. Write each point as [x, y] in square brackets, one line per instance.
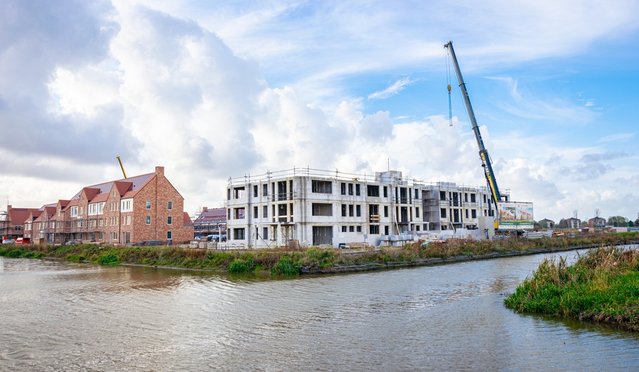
[121, 166]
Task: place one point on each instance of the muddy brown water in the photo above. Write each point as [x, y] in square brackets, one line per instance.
[60, 316]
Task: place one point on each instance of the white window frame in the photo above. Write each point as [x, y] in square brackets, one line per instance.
[126, 205]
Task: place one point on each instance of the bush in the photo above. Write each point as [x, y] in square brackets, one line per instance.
[287, 267]
[109, 259]
[240, 266]
[76, 258]
[15, 253]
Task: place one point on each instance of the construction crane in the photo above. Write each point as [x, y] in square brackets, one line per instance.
[483, 153]
[121, 166]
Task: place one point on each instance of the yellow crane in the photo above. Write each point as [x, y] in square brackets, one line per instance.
[121, 166]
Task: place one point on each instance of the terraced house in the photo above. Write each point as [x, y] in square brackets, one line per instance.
[145, 208]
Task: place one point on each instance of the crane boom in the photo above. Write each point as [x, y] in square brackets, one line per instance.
[483, 153]
[121, 166]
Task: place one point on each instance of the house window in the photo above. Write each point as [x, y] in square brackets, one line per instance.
[385, 191]
[148, 220]
[265, 233]
[358, 210]
[322, 209]
[372, 190]
[265, 211]
[350, 189]
[255, 210]
[357, 189]
[344, 228]
[343, 210]
[417, 212]
[148, 204]
[74, 211]
[322, 187]
[169, 205]
[255, 191]
[264, 189]
[374, 229]
[351, 228]
[238, 213]
[386, 211]
[443, 211]
[358, 229]
[238, 234]
[169, 220]
[126, 205]
[169, 235]
[473, 213]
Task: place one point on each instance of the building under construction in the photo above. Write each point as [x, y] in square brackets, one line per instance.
[318, 207]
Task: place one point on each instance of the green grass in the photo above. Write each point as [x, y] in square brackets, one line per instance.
[602, 286]
[287, 262]
[241, 266]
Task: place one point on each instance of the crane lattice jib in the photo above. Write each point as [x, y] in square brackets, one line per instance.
[483, 153]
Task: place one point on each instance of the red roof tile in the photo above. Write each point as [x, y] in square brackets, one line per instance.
[212, 215]
[17, 216]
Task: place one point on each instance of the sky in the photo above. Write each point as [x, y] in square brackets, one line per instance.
[218, 89]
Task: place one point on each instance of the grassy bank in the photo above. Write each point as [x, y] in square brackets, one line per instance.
[602, 286]
[310, 260]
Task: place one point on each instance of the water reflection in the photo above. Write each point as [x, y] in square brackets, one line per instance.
[60, 316]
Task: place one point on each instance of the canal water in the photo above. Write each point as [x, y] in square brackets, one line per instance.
[59, 316]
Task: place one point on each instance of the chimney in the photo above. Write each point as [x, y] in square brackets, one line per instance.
[159, 171]
[205, 209]
[8, 207]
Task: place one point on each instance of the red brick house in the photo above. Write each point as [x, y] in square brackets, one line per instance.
[12, 223]
[144, 208]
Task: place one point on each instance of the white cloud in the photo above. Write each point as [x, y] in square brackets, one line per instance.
[391, 90]
[245, 87]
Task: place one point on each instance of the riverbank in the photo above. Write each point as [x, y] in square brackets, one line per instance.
[602, 286]
[287, 262]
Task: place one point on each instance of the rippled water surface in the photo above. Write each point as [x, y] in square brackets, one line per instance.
[57, 316]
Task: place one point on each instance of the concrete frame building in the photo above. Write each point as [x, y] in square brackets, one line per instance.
[317, 207]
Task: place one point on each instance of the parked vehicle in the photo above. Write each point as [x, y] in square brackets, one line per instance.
[7, 240]
[23, 241]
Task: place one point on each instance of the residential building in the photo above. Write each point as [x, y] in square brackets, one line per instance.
[127, 211]
[547, 224]
[315, 207]
[570, 223]
[597, 222]
[211, 221]
[12, 221]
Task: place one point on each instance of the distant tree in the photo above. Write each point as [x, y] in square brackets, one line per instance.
[617, 221]
[630, 223]
[637, 222]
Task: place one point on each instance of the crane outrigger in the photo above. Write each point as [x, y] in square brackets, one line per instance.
[483, 153]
